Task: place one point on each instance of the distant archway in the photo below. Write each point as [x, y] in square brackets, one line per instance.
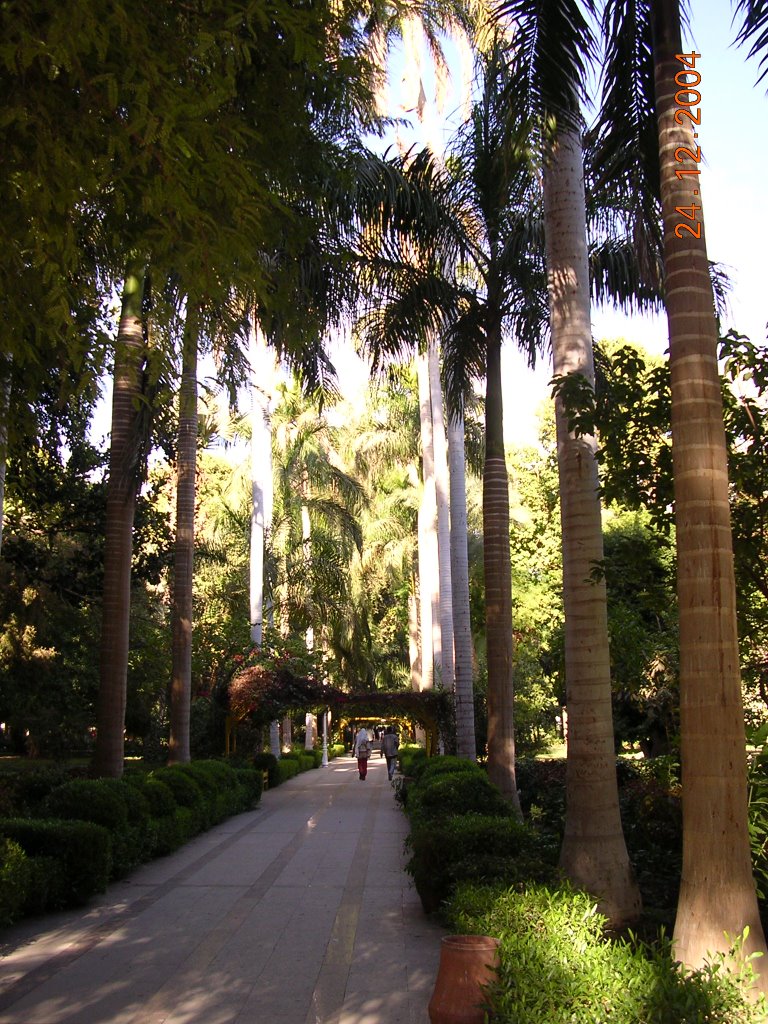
[264, 696]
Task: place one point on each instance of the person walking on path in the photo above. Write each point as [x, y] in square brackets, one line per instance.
[389, 745]
[362, 751]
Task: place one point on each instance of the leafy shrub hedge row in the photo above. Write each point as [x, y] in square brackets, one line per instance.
[463, 828]
[82, 833]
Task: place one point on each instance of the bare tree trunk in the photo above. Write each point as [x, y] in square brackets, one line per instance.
[594, 854]
[429, 582]
[498, 585]
[5, 405]
[442, 494]
[717, 893]
[462, 628]
[184, 549]
[122, 487]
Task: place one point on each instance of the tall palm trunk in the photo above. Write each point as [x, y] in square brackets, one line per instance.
[717, 893]
[5, 405]
[498, 583]
[122, 487]
[184, 549]
[462, 629]
[594, 854]
[442, 496]
[429, 583]
[261, 491]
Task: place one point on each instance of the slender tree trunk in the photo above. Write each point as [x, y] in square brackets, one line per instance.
[122, 487]
[261, 480]
[414, 654]
[462, 627]
[261, 366]
[442, 494]
[429, 584]
[717, 894]
[184, 550]
[594, 854]
[5, 405]
[498, 584]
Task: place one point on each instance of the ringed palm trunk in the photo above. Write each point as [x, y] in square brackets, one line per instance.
[498, 584]
[122, 487]
[442, 496]
[462, 629]
[184, 548]
[717, 893]
[429, 583]
[594, 854]
[5, 405]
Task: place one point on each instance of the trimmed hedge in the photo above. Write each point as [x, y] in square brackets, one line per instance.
[74, 860]
[450, 850]
[287, 768]
[456, 792]
[15, 880]
[116, 805]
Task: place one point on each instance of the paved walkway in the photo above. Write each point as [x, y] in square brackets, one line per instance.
[298, 912]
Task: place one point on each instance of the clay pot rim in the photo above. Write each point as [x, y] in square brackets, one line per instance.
[471, 941]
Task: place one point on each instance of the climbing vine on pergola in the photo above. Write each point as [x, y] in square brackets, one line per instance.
[264, 695]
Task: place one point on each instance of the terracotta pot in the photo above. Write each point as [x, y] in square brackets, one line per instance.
[467, 963]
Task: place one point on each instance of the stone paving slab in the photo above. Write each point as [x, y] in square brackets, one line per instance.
[298, 912]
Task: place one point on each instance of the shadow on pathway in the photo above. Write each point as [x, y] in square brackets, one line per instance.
[299, 912]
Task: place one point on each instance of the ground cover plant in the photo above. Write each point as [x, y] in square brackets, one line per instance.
[557, 967]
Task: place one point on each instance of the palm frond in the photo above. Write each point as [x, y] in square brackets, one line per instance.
[753, 28]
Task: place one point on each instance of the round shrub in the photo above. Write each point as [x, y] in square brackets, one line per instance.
[268, 763]
[188, 796]
[447, 851]
[158, 796]
[444, 765]
[89, 800]
[251, 783]
[461, 792]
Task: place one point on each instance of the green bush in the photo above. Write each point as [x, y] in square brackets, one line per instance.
[158, 796]
[447, 851]
[287, 768]
[75, 856]
[410, 756]
[307, 762]
[557, 966]
[336, 750]
[456, 792]
[432, 767]
[117, 806]
[15, 879]
[268, 763]
[187, 794]
[251, 783]
[218, 782]
[32, 786]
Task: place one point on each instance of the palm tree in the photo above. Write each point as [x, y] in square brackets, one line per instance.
[473, 282]
[644, 156]
[554, 46]
[462, 627]
[717, 894]
[442, 498]
[184, 547]
[123, 483]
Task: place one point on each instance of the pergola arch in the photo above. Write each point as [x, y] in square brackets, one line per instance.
[265, 695]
